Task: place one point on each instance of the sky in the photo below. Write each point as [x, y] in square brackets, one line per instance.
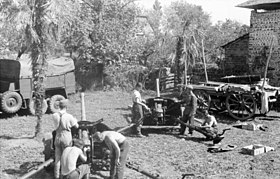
[219, 10]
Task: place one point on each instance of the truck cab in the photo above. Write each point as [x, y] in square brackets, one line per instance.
[16, 87]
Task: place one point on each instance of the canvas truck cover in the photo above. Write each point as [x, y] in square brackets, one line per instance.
[9, 70]
[55, 66]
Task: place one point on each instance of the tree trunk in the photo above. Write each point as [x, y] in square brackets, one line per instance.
[38, 57]
[178, 57]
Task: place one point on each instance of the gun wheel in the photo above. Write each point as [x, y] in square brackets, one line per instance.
[203, 99]
[241, 106]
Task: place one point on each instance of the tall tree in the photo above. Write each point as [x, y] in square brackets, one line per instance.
[42, 21]
[186, 22]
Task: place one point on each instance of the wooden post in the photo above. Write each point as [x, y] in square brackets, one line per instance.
[204, 62]
[158, 92]
[83, 107]
[267, 62]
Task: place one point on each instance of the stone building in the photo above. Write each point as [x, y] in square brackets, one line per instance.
[236, 55]
[264, 26]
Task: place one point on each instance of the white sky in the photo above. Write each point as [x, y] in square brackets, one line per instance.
[217, 9]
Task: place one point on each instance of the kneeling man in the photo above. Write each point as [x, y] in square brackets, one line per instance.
[210, 126]
[69, 159]
[119, 147]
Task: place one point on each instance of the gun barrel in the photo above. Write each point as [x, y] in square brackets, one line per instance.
[132, 166]
[37, 169]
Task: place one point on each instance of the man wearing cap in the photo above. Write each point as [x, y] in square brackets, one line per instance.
[119, 147]
[69, 159]
[63, 122]
[190, 101]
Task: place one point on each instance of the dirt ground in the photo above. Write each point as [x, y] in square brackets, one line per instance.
[162, 152]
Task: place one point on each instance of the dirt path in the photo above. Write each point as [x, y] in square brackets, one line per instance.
[161, 153]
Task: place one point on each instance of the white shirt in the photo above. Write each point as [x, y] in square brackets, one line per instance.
[136, 95]
[68, 120]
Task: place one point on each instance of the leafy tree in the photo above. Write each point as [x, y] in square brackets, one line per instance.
[42, 21]
[220, 34]
[186, 22]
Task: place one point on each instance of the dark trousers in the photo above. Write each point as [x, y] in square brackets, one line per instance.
[137, 118]
[209, 133]
[116, 172]
[187, 117]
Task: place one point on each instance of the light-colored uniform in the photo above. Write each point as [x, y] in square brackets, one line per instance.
[63, 123]
[137, 112]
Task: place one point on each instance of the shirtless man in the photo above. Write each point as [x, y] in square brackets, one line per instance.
[209, 126]
[119, 147]
[69, 161]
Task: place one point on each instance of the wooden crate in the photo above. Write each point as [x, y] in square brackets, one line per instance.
[256, 149]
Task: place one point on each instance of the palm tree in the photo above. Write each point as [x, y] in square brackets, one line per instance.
[42, 20]
[187, 51]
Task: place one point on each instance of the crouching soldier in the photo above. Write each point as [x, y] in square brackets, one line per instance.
[69, 160]
[119, 147]
[209, 127]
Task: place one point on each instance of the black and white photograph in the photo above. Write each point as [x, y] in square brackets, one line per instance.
[139, 89]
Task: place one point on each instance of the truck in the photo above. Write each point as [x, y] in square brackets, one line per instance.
[16, 86]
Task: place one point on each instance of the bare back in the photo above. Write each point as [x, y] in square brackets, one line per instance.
[69, 159]
[118, 137]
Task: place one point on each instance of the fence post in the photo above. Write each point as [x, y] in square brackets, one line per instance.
[158, 92]
[83, 107]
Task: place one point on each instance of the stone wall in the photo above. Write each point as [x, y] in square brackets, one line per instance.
[265, 25]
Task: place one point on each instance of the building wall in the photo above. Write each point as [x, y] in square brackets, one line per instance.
[264, 26]
[236, 55]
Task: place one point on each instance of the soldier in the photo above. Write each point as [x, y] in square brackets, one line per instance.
[137, 111]
[119, 147]
[69, 161]
[63, 122]
[210, 126]
[190, 101]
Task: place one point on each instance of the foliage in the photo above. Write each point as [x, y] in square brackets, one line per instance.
[41, 20]
[220, 34]
[124, 76]
[118, 33]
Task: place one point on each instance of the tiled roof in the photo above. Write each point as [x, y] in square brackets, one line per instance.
[261, 4]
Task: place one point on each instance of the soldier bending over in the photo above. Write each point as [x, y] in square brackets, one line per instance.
[119, 147]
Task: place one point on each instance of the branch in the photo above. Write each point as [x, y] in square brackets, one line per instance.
[128, 3]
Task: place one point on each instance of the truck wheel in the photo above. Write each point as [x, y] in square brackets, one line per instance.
[11, 102]
[54, 102]
[32, 106]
